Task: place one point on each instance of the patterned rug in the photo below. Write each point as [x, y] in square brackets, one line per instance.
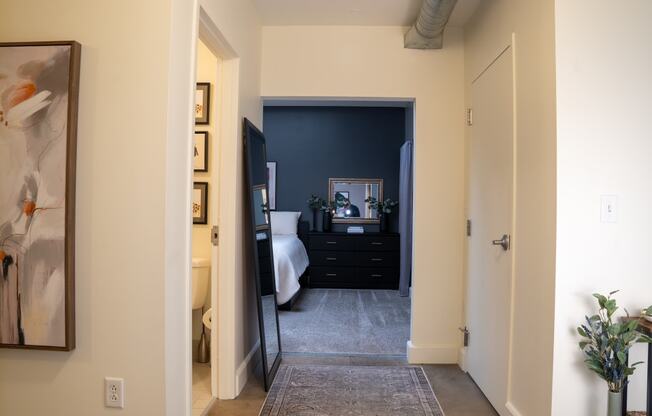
[310, 390]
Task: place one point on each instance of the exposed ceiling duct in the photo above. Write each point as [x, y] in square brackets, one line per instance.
[428, 31]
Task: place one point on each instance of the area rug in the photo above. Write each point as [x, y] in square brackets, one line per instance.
[347, 321]
[311, 390]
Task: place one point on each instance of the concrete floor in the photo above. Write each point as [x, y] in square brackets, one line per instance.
[455, 390]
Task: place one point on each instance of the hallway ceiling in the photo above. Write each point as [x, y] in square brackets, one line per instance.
[352, 12]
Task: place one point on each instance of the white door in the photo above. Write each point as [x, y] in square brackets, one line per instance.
[490, 211]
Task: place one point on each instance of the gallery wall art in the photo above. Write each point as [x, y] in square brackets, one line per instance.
[202, 103]
[200, 203]
[39, 85]
[200, 151]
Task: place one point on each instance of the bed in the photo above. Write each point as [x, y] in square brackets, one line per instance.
[290, 255]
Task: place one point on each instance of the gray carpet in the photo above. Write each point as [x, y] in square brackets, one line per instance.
[347, 321]
[351, 391]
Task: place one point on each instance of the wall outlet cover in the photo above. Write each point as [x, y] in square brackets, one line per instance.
[114, 392]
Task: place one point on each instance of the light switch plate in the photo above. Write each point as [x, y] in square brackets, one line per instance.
[609, 208]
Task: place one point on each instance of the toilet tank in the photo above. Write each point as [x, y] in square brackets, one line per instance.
[200, 279]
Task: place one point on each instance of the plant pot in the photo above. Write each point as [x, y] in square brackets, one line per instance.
[314, 220]
[615, 407]
[384, 222]
[326, 221]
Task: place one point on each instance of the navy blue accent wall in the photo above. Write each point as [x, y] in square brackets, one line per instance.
[312, 144]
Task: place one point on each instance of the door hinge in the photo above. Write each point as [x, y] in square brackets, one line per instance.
[215, 235]
[468, 228]
[469, 116]
[466, 333]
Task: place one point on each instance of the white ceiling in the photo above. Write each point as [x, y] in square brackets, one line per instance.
[352, 12]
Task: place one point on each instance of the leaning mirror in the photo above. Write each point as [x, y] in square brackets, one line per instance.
[349, 196]
[270, 339]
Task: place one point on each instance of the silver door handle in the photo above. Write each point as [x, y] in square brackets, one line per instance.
[503, 242]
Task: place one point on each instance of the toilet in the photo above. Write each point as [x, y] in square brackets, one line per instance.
[200, 276]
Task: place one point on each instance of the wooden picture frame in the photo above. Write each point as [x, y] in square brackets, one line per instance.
[41, 81]
[200, 151]
[271, 179]
[200, 203]
[203, 103]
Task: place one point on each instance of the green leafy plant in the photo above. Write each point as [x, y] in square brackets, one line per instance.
[328, 206]
[648, 311]
[606, 343]
[384, 207]
[315, 202]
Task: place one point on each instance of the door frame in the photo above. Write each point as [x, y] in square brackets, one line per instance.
[335, 101]
[512, 43]
[189, 21]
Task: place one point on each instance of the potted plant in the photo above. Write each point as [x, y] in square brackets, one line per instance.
[328, 210]
[647, 313]
[606, 344]
[383, 209]
[315, 203]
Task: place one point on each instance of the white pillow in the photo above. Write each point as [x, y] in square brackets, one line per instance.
[285, 222]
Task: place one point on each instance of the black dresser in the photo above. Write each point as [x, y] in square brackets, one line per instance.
[354, 261]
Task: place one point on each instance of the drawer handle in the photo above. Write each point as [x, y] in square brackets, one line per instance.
[376, 243]
[376, 259]
[331, 274]
[331, 242]
[331, 258]
[376, 275]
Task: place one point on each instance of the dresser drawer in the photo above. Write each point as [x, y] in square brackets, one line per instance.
[332, 258]
[380, 278]
[332, 276]
[377, 259]
[377, 243]
[331, 242]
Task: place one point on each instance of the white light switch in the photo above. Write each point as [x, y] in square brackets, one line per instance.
[609, 208]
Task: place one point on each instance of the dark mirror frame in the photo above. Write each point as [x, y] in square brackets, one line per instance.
[251, 135]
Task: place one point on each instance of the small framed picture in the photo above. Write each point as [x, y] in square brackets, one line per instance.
[271, 179]
[203, 103]
[200, 151]
[200, 203]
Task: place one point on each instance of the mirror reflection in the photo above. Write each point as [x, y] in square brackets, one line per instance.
[261, 213]
[349, 196]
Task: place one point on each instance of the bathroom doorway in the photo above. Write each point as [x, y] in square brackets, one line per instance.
[205, 209]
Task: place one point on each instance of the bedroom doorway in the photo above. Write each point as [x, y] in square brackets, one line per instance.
[339, 275]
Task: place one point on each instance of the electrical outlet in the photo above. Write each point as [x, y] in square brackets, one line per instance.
[114, 392]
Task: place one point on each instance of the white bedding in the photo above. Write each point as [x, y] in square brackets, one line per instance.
[290, 261]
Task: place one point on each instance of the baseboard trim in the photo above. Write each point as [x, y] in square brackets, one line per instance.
[511, 409]
[431, 354]
[246, 368]
[461, 360]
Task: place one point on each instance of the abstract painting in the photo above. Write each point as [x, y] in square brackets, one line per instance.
[39, 84]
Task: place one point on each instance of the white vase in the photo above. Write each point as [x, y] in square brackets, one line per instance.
[615, 407]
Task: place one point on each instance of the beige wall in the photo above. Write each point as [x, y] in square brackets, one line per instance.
[207, 71]
[347, 61]
[486, 35]
[605, 148]
[120, 210]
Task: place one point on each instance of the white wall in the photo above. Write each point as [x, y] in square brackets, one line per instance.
[486, 35]
[348, 61]
[239, 25]
[604, 148]
[120, 210]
